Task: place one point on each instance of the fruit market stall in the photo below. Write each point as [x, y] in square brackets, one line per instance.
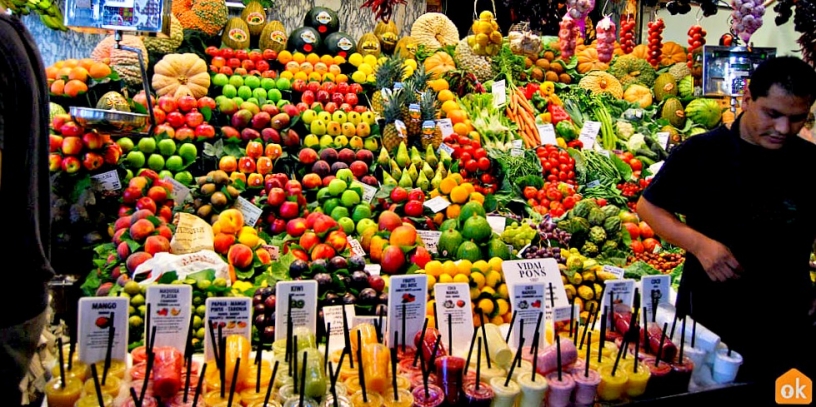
[404, 209]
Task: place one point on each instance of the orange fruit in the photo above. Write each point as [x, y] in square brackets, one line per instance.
[75, 88]
[284, 57]
[59, 64]
[79, 73]
[447, 185]
[99, 70]
[403, 236]
[63, 73]
[339, 60]
[459, 194]
[460, 129]
[327, 59]
[452, 211]
[299, 57]
[445, 95]
[51, 72]
[301, 75]
[71, 63]
[457, 116]
[58, 87]
[86, 63]
[312, 58]
[449, 106]
[341, 78]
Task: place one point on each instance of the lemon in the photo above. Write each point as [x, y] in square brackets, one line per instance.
[482, 265]
[497, 320]
[488, 290]
[502, 291]
[464, 267]
[461, 278]
[410, 63]
[486, 305]
[433, 268]
[474, 293]
[365, 68]
[431, 282]
[504, 306]
[445, 279]
[371, 60]
[355, 59]
[495, 263]
[493, 278]
[449, 268]
[371, 78]
[445, 95]
[478, 280]
[358, 76]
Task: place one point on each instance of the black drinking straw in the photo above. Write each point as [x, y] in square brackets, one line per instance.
[516, 357]
[536, 338]
[470, 351]
[61, 363]
[422, 339]
[234, 382]
[425, 373]
[450, 334]
[303, 377]
[662, 341]
[148, 345]
[272, 383]
[611, 306]
[674, 324]
[589, 322]
[289, 329]
[558, 355]
[380, 330]
[535, 358]
[215, 342]
[510, 329]
[340, 365]
[682, 339]
[484, 336]
[201, 382]
[294, 362]
[71, 350]
[404, 312]
[586, 365]
[394, 368]
[435, 350]
[97, 386]
[189, 361]
[729, 352]
[624, 344]
[346, 336]
[436, 319]
[521, 332]
[135, 397]
[360, 365]
[151, 357]
[637, 348]
[654, 306]
[693, 332]
[572, 317]
[188, 344]
[602, 340]
[332, 383]
[552, 297]
[108, 349]
[479, 364]
[326, 356]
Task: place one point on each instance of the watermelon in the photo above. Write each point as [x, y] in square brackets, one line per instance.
[705, 112]
[339, 44]
[305, 40]
[322, 19]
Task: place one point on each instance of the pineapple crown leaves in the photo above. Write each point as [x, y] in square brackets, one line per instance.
[390, 71]
[391, 108]
[427, 104]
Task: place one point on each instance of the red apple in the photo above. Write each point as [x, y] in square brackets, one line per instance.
[186, 103]
[206, 101]
[168, 104]
[71, 164]
[92, 161]
[71, 145]
[175, 119]
[193, 118]
[54, 143]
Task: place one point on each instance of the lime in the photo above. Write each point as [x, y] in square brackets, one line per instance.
[137, 300]
[165, 174]
[174, 163]
[132, 288]
[201, 310]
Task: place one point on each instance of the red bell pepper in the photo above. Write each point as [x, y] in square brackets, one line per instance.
[576, 144]
[530, 90]
[558, 113]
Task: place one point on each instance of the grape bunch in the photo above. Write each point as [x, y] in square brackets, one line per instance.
[746, 18]
[518, 235]
[627, 35]
[551, 252]
[784, 11]
[606, 39]
[548, 232]
[656, 41]
[567, 35]
[263, 306]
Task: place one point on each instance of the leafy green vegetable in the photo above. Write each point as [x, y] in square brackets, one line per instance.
[639, 269]
[508, 65]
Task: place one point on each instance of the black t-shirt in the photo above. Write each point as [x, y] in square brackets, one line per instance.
[759, 204]
[25, 185]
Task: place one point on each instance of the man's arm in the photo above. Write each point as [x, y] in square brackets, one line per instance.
[715, 258]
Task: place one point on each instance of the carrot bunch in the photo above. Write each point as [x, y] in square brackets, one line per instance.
[520, 111]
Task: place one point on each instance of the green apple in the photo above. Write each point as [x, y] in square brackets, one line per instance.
[283, 84]
[344, 175]
[346, 223]
[220, 79]
[363, 223]
[330, 204]
[188, 152]
[147, 145]
[259, 93]
[237, 101]
[184, 177]
[229, 91]
[128, 175]
[126, 144]
[274, 95]
[167, 147]
[155, 162]
[236, 80]
[174, 163]
[135, 159]
[244, 92]
[165, 174]
[253, 100]
[308, 116]
[339, 212]
[322, 194]
[252, 81]
[349, 198]
[268, 83]
[337, 186]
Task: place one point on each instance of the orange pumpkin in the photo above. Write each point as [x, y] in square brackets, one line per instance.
[641, 51]
[588, 61]
[437, 64]
[672, 53]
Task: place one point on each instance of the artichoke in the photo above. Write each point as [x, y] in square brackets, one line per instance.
[597, 235]
[612, 224]
[609, 245]
[589, 249]
[611, 210]
[579, 225]
[596, 217]
[582, 208]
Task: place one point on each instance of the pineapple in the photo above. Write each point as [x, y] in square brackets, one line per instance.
[410, 96]
[427, 105]
[390, 71]
[421, 78]
[391, 136]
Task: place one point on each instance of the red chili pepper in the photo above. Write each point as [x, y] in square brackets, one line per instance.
[557, 113]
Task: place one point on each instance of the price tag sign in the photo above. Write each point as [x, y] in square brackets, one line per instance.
[655, 291]
[528, 300]
[107, 181]
[234, 317]
[446, 128]
[546, 132]
[446, 148]
[369, 192]
[499, 93]
[537, 271]
[407, 301]
[356, 247]
[303, 313]
[96, 316]
[170, 313]
[654, 168]
[274, 251]
[604, 153]
[180, 191]
[453, 302]
[561, 319]
[437, 204]
[430, 238]
[617, 271]
[618, 292]
[373, 269]
[251, 212]
[589, 133]
[497, 223]
[663, 138]
[593, 184]
[334, 315]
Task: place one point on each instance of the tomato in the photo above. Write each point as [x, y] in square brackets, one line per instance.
[530, 192]
[479, 153]
[562, 176]
[472, 166]
[488, 178]
[478, 188]
[468, 149]
[544, 202]
[636, 164]
[557, 212]
[546, 166]
[601, 201]
[532, 202]
[569, 202]
[484, 163]
[465, 157]
[489, 190]
[637, 246]
[627, 156]
[552, 178]
[563, 167]
[464, 141]
[650, 244]
[463, 172]
[554, 195]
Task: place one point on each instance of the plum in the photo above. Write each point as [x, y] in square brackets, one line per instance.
[368, 296]
[356, 263]
[319, 266]
[349, 299]
[359, 280]
[297, 268]
[338, 263]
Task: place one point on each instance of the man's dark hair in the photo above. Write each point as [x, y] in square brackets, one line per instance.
[791, 74]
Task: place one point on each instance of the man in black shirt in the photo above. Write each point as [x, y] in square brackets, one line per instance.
[24, 197]
[750, 224]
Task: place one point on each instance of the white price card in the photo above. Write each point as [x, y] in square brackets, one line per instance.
[230, 315]
[529, 303]
[499, 93]
[603, 152]
[369, 192]
[517, 148]
[546, 132]
[445, 127]
[251, 212]
[617, 292]
[180, 191]
[437, 204]
[170, 314]
[517, 143]
[454, 314]
[497, 223]
[654, 168]
[430, 238]
[96, 317]
[538, 271]
[373, 269]
[334, 315]
[663, 138]
[561, 318]
[589, 133]
[654, 291]
[303, 310]
[617, 271]
[446, 148]
[274, 251]
[407, 301]
[593, 184]
[356, 247]
[106, 181]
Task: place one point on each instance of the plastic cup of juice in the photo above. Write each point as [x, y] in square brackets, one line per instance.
[377, 365]
[148, 401]
[138, 371]
[696, 355]
[249, 395]
[726, 366]
[402, 383]
[372, 399]
[271, 403]
[214, 398]
[636, 385]
[353, 384]
[586, 387]
[504, 396]
[449, 377]
[59, 396]
[659, 381]
[560, 391]
[434, 397]
[499, 351]
[339, 388]
[90, 400]
[78, 369]
[612, 387]
[681, 375]
[342, 401]
[252, 376]
[409, 354]
[110, 387]
[406, 366]
[477, 397]
[486, 374]
[307, 402]
[138, 355]
[605, 361]
[117, 368]
[404, 398]
[532, 392]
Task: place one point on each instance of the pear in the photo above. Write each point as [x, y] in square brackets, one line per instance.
[445, 158]
[406, 181]
[388, 180]
[412, 172]
[430, 156]
[440, 169]
[422, 182]
[427, 170]
[384, 158]
[396, 171]
[437, 179]
[416, 159]
[403, 159]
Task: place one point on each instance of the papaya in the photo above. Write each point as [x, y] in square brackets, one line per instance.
[449, 242]
[468, 251]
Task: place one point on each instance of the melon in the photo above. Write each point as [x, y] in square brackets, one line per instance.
[322, 19]
[339, 43]
[54, 109]
[305, 40]
[369, 45]
[113, 101]
[236, 34]
[273, 36]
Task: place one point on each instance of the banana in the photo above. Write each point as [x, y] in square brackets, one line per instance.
[52, 22]
[44, 4]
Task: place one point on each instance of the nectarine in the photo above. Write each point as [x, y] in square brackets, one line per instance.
[240, 255]
[231, 221]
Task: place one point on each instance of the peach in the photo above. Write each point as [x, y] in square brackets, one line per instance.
[123, 250]
[222, 243]
[263, 256]
[240, 255]
[323, 224]
[403, 236]
[338, 240]
[376, 248]
[117, 236]
[248, 236]
[365, 238]
[165, 231]
[140, 214]
[231, 220]
[312, 181]
[136, 259]
[389, 221]
[104, 289]
[322, 251]
[141, 229]
[308, 240]
[122, 223]
[166, 213]
[157, 244]
[296, 227]
[393, 259]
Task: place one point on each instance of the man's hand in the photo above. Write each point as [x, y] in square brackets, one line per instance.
[717, 261]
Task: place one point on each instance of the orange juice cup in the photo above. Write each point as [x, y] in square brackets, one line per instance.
[78, 369]
[377, 364]
[636, 385]
[90, 400]
[612, 387]
[59, 396]
[110, 387]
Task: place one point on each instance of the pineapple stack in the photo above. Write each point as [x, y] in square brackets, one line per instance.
[395, 131]
[390, 71]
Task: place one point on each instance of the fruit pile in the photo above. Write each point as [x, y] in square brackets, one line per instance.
[413, 170]
[554, 198]
[583, 280]
[368, 65]
[556, 164]
[242, 246]
[168, 157]
[459, 193]
[72, 148]
[282, 200]
[486, 38]
[339, 129]
[641, 234]
[343, 280]
[394, 245]
[631, 191]
[518, 235]
[470, 236]
[342, 200]
[71, 77]
[627, 35]
[663, 262]
[213, 193]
